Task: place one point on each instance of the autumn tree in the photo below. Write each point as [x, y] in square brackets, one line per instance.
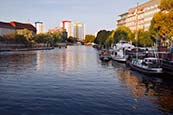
[89, 38]
[166, 5]
[162, 22]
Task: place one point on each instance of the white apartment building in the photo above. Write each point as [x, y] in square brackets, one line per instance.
[40, 27]
[67, 25]
[79, 31]
[140, 16]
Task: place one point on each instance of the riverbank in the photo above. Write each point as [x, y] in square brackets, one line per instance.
[24, 49]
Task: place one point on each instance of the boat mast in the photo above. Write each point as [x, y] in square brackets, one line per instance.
[136, 35]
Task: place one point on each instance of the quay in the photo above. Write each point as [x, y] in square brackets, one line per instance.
[24, 49]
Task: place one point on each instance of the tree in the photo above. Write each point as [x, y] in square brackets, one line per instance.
[64, 36]
[41, 38]
[122, 33]
[101, 37]
[71, 39]
[166, 5]
[162, 22]
[144, 39]
[57, 38]
[9, 38]
[25, 37]
[110, 39]
[89, 38]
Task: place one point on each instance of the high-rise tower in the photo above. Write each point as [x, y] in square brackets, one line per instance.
[40, 27]
[67, 25]
[79, 31]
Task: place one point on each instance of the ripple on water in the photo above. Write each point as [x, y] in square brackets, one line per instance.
[74, 81]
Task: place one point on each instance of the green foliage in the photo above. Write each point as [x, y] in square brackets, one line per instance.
[24, 37]
[57, 37]
[89, 38]
[26, 33]
[71, 39]
[101, 37]
[166, 5]
[27, 38]
[22, 40]
[122, 33]
[9, 38]
[144, 39]
[50, 39]
[110, 39]
[64, 36]
[40, 38]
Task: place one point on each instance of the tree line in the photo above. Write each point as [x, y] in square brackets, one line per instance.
[28, 39]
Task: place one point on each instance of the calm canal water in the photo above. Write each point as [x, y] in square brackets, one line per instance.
[74, 81]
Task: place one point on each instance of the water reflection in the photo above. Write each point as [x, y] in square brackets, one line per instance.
[157, 90]
[75, 79]
[16, 62]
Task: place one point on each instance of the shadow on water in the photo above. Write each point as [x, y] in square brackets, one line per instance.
[158, 90]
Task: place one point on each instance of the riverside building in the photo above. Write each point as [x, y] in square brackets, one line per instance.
[141, 15]
[11, 27]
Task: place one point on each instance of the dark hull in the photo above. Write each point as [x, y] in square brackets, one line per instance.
[120, 61]
[145, 71]
[167, 66]
[105, 58]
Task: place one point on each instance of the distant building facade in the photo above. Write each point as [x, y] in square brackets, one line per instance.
[11, 27]
[40, 27]
[67, 25]
[79, 31]
[57, 29]
[6, 28]
[140, 16]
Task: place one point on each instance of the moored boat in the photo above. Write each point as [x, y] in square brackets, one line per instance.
[105, 55]
[149, 66]
[167, 63]
[120, 50]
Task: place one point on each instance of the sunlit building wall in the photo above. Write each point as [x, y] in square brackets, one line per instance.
[40, 27]
[140, 16]
[79, 31]
[67, 25]
[56, 29]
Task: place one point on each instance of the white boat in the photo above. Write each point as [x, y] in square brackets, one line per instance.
[150, 65]
[119, 52]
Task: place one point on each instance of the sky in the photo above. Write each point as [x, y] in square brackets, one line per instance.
[95, 14]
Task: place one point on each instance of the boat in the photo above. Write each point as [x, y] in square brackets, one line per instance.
[105, 55]
[120, 50]
[149, 65]
[167, 63]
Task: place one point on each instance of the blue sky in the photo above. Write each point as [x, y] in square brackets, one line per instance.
[95, 14]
